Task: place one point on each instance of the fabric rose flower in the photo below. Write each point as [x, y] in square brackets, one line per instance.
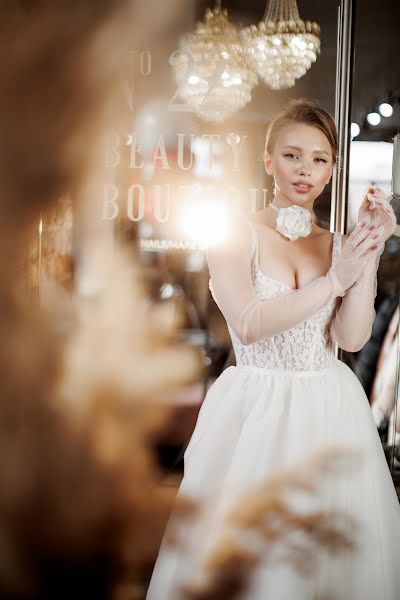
[294, 222]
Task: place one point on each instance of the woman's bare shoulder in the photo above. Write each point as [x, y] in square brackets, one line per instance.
[327, 233]
[324, 235]
[318, 230]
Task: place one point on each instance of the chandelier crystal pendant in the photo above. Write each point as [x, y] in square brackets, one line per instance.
[282, 47]
[211, 69]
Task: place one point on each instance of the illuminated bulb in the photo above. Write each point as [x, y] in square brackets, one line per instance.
[386, 109]
[355, 130]
[373, 118]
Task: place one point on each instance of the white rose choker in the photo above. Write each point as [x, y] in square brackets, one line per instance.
[294, 221]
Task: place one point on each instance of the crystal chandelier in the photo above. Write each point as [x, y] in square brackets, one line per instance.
[211, 70]
[283, 46]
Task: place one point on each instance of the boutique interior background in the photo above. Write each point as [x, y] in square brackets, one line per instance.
[167, 151]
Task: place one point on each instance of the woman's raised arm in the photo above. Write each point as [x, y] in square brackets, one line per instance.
[351, 327]
[252, 318]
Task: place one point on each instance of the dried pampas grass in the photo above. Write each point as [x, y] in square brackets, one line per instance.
[265, 518]
[80, 505]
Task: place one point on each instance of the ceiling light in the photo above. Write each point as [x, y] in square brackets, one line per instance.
[211, 70]
[355, 130]
[373, 118]
[386, 109]
[282, 47]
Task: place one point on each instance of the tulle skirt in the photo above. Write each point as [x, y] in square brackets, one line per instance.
[255, 422]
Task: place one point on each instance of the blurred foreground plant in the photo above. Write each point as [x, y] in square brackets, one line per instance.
[258, 522]
[80, 504]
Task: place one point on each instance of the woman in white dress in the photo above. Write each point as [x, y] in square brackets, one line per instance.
[288, 290]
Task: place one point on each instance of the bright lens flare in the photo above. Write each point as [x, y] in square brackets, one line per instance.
[205, 222]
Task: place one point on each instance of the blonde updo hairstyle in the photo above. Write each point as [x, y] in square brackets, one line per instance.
[308, 112]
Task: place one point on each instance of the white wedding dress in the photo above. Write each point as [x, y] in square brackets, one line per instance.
[288, 396]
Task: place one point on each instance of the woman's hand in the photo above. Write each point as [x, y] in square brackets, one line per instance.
[355, 253]
[377, 210]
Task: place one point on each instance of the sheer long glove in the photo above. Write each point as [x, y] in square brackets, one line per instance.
[353, 258]
[377, 209]
[253, 319]
[352, 324]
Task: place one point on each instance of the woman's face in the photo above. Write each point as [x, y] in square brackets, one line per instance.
[301, 163]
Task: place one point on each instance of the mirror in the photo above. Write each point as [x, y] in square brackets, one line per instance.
[171, 175]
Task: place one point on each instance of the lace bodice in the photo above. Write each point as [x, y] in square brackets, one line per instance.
[307, 346]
